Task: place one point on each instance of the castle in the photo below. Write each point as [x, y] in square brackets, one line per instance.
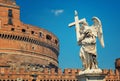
[29, 53]
[31, 46]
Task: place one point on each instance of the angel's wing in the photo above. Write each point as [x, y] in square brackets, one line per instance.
[97, 23]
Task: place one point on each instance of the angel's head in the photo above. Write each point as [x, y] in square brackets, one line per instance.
[84, 23]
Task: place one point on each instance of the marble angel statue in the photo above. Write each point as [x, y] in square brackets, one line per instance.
[86, 38]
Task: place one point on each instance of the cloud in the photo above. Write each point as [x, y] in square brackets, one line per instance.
[57, 12]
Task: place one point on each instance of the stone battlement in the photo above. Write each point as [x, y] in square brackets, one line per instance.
[6, 70]
[110, 72]
[52, 71]
[49, 74]
[45, 74]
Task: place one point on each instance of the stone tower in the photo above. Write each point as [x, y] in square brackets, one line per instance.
[12, 17]
[24, 45]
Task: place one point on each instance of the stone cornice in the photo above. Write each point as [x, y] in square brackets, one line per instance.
[30, 40]
[10, 6]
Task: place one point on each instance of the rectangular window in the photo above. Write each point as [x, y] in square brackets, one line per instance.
[10, 13]
[23, 30]
[12, 29]
[32, 32]
[10, 21]
[40, 34]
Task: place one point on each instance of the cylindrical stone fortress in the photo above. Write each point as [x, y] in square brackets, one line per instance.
[22, 44]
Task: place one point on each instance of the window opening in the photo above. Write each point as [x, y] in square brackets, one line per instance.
[40, 34]
[48, 37]
[56, 42]
[10, 13]
[23, 30]
[32, 32]
[12, 29]
[10, 21]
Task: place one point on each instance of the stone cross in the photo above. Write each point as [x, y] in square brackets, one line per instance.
[77, 24]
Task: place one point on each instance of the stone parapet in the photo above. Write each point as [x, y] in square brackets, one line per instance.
[49, 74]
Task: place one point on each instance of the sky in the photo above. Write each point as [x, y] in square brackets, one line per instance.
[55, 15]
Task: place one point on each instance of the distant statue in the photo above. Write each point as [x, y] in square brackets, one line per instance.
[86, 38]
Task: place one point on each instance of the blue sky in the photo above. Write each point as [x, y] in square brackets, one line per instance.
[55, 15]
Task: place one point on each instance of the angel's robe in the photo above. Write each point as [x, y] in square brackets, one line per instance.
[88, 44]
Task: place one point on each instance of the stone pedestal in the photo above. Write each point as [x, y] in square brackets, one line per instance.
[91, 77]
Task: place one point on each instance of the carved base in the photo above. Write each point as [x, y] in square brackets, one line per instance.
[91, 77]
[90, 71]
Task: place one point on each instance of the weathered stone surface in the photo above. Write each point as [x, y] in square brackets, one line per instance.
[22, 44]
[23, 52]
